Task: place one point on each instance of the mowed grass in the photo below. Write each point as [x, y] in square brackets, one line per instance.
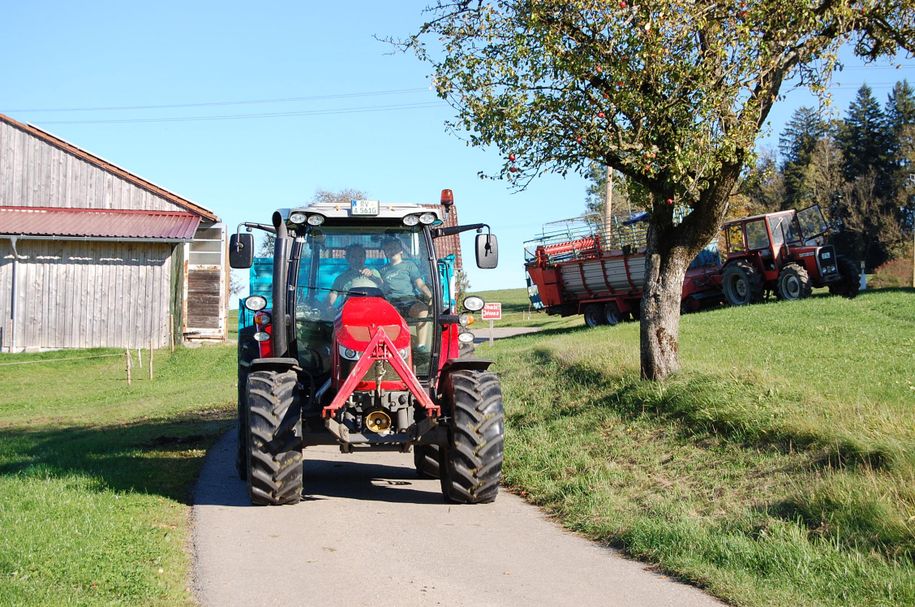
[517, 311]
[778, 468]
[95, 475]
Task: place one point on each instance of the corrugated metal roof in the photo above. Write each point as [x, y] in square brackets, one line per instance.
[97, 223]
[107, 166]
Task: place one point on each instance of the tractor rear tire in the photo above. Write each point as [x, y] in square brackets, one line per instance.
[793, 283]
[274, 457]
[426, 460]
[612, 314]
[850, 283]
[742, 284]
[594, 315]
[471, 464]
[247, 351]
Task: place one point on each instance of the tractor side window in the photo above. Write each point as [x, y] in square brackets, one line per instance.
[757, 238]
[735, 239]
[777, 226]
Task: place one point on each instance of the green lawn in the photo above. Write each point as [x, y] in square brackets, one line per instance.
[95, 475]
[777, 469]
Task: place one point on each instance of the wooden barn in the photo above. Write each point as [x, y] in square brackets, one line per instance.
[94, 256]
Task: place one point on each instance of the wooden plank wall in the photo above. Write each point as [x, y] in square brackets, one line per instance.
[81, 294]
[6, 277]
[35, 173]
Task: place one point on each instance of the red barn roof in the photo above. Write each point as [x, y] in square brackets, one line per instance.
[54, 222]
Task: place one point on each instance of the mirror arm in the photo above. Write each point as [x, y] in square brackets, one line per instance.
[438, 232]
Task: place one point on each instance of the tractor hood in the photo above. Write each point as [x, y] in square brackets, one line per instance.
[362, 316]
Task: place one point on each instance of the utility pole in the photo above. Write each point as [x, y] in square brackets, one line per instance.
[608, 210]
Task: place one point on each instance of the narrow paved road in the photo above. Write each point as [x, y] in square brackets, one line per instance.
[371, 533]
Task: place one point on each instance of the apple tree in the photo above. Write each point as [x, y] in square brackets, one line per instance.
[671, 93]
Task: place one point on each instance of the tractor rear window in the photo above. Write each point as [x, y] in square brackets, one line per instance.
[735, 239]
[757, 237]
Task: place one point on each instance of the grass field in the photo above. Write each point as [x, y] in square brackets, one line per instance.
[95, 475]
[777, 469]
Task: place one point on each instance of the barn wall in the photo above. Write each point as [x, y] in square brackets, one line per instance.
[81, 294]
[36, 173]
[6, 277]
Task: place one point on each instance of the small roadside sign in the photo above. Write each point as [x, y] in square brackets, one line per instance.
[492, 311]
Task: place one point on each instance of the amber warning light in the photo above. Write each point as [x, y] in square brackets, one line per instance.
[447, 200]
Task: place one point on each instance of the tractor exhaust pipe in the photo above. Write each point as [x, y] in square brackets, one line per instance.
[281, 269]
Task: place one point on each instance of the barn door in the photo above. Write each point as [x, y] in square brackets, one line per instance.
[206, 284]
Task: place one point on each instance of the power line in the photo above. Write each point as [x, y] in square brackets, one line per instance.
[222, 103]
[353, 110]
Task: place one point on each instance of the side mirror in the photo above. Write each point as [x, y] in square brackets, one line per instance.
[241, 251]
[487, 251]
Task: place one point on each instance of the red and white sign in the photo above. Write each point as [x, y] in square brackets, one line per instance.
[492, 311]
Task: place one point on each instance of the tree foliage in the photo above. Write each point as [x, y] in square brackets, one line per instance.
[796, 144]
[670, 93]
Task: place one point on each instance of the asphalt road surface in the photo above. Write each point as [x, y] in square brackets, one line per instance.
[481, 334]
[369, 532]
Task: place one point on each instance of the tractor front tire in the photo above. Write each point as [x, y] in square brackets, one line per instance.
[274, 454]
[742, 284]
[426, 459]
[594, 315]
[471, 462]
[850, 283]
[793, 283]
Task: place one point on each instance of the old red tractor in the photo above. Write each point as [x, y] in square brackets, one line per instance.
[783, 253]
[361, 348]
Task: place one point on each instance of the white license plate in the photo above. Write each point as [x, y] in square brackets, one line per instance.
[364, 207]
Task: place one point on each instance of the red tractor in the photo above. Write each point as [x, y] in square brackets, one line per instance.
[362, 348]
[785, 253]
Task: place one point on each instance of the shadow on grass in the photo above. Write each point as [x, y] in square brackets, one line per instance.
[154, 457]
[697, 404]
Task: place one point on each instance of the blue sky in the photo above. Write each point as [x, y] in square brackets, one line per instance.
[322, 58]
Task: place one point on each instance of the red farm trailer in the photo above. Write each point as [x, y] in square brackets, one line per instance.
[575, 267]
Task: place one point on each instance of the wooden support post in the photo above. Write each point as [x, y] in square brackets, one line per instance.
[139, 357]
[127, 363]
[171, 332]
[150, 359]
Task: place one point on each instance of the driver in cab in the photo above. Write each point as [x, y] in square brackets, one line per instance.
[357, 275]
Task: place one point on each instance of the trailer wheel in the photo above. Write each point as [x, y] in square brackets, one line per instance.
[426, 460]
[471, 464]
[611, 314]
[742, 284]
[850, 283]
[793, 282]
[274, 455]
[247, 351]
[594, 315]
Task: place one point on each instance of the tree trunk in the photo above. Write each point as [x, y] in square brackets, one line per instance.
[670, 250]
[660, 310]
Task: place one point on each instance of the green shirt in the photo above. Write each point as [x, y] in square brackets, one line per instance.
[400, 280]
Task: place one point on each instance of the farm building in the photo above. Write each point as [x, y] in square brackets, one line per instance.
[94, 256]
